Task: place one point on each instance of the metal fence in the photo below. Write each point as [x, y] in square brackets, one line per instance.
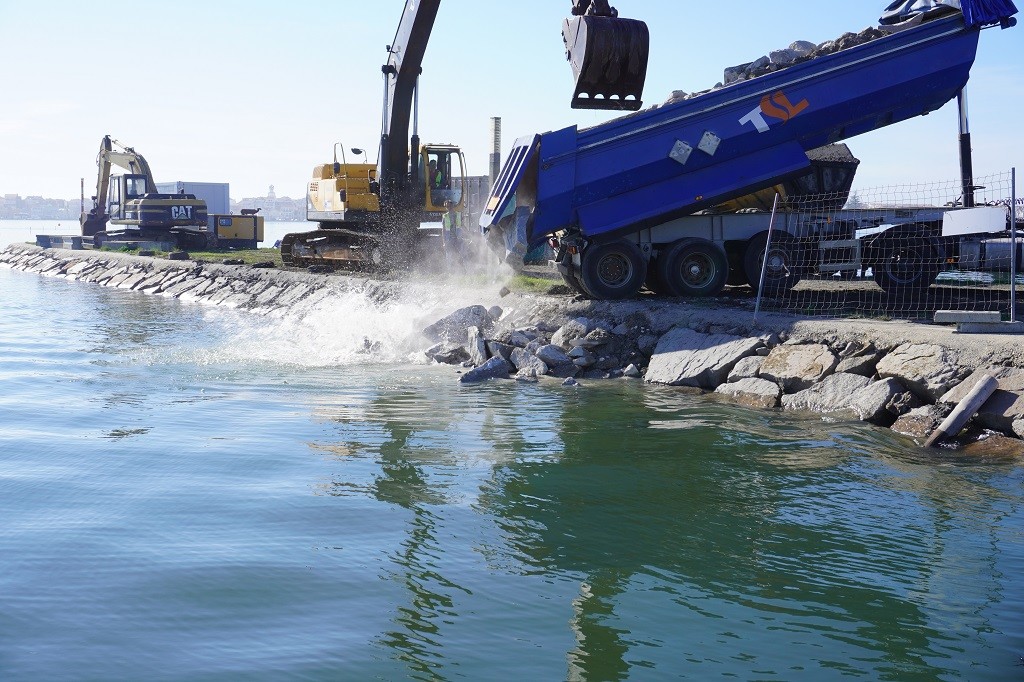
[896, 252]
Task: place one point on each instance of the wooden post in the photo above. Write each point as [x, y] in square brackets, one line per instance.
[981, 392]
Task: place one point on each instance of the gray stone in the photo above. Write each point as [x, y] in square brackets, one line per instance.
[455, 326]
[595, 339]
[579, 352]
[920, 422]
[803, 47]
[477, 346]
[526, 376]
[569, 381]
[732, 73]
[796, 367]
[522, 360]
[496, 348]
[752, 392]
[495, 312]
[495, 368]
[646, 343]
[553, 355]
[871, 403]
[747, 368]
[863, 365]
[519, 339]
[832, 394]
[573, 329]
[684, 357]
[926, 369]
[632, 372]
[448, 353]
[1004, 407]
[785, 57]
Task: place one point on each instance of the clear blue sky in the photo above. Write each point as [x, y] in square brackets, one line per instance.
[256, 93]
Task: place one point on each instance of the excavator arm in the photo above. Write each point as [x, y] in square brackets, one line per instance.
[112, 153]
[608, 56]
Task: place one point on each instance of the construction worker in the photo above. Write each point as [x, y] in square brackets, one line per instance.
[436, 181]
[451, 225]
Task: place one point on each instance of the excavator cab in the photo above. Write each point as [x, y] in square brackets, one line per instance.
[608, 55]
[442, 168]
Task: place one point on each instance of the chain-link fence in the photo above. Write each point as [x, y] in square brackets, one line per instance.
[902, 252]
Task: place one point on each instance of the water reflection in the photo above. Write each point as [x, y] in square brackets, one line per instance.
[729, 537]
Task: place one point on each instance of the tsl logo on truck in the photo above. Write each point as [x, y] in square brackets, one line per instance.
[775, 106]
[181, 212]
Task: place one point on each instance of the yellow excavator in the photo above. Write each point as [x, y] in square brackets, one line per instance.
[371, 216]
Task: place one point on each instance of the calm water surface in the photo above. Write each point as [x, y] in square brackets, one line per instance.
[195, 493]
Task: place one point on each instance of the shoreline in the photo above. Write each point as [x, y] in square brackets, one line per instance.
[894, 374]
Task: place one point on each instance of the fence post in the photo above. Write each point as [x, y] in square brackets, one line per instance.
[1013, 241]
[764, 260]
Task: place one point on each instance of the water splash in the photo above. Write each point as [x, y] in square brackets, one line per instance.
[374, 323]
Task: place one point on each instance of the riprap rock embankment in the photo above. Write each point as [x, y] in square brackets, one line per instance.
[905, 376]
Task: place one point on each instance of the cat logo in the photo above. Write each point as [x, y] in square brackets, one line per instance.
[776, 106]
[181, 212]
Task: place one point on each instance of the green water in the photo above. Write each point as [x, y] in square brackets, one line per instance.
[181, 501]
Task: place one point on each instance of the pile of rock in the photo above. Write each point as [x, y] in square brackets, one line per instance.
[909, 387]
[797, 53]
[496, 347]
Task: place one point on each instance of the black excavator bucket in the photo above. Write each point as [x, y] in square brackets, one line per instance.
[609, 61]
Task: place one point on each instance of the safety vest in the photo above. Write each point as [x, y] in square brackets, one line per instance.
[451, 221]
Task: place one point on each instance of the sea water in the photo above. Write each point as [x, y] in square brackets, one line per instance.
[191, 492]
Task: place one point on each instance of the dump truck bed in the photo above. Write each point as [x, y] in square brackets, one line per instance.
[661, 163]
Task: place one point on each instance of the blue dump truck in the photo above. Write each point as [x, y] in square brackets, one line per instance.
[623, 204]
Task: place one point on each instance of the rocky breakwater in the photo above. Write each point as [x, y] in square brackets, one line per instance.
[260, 289]
[887, 374]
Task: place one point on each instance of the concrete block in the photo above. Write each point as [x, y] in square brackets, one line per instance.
[990, 328]
[957, 316]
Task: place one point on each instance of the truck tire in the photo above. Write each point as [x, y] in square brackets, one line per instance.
[784, 269]
[905, 264]
[693, 267]
[613, 270]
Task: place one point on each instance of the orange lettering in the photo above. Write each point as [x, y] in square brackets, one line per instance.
[778, 106]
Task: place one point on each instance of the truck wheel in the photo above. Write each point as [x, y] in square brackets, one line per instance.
[783, 271]
[613, 270]
[693, 267]
[909, 264]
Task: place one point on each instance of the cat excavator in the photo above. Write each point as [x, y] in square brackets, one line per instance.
[131, 203]
[370, 216]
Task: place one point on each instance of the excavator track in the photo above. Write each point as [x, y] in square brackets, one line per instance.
[337, 249]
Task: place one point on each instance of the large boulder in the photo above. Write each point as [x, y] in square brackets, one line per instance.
[920, 422]
[878, 402]
[684, 357]
[573, 329]
[798, 367]
[834, 393]
[455, 327]
[523, 360]
[447, 353]
[476, 344]
[926, 369]
[495, 368]
[747, 368]
[1003, 407]
[559, 364]
[751, 392]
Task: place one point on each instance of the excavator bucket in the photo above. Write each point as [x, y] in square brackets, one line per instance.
[608, 56]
